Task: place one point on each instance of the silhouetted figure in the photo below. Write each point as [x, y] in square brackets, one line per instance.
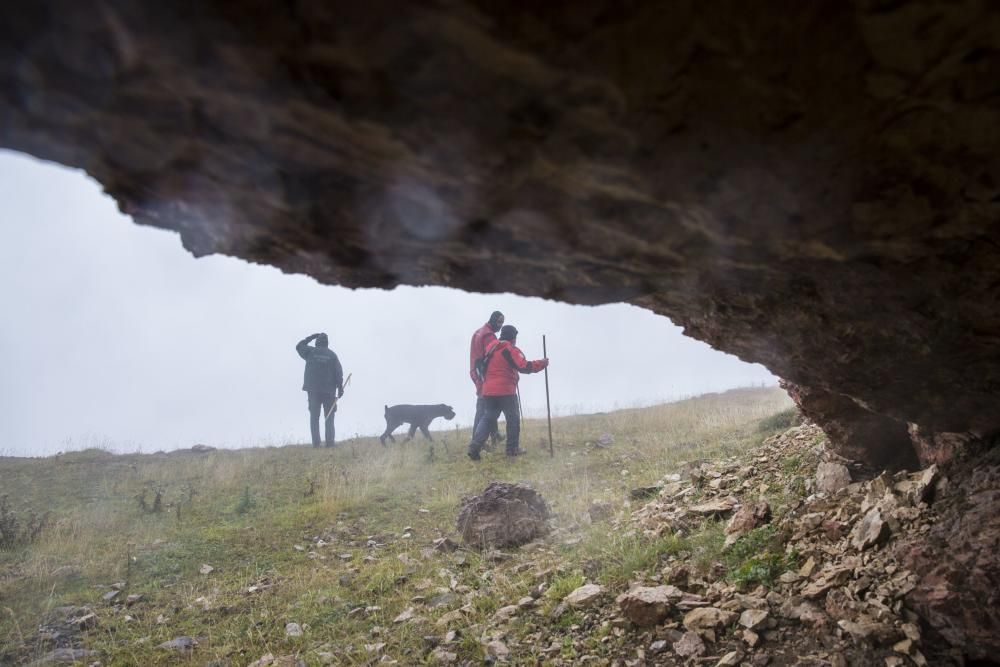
[323, 383]
[504, 363]
[483, 337]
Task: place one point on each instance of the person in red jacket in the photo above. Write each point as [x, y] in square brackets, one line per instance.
[505, 362]
[481, 339]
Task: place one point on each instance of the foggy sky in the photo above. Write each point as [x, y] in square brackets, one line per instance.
[113, 335]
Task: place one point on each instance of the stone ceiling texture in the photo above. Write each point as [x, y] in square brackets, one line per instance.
[814, 186]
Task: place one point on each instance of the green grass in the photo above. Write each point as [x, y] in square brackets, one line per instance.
[244, 511]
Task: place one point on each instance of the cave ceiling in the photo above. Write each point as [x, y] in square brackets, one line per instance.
[814, 186]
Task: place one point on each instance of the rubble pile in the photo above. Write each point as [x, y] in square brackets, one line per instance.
[839, 600]
[813, 571]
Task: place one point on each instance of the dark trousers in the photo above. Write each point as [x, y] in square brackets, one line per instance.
[492, 407]
[480, 411]
[320, 403]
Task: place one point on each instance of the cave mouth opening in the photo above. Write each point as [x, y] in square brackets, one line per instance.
[176, 351]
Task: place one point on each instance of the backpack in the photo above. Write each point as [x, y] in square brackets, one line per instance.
[483, 362]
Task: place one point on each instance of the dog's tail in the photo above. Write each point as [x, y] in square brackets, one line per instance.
[387, 411]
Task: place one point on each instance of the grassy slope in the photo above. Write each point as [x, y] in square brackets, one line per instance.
[243, 511]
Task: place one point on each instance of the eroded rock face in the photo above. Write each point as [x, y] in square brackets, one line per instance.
[815, 188]
[959, 558]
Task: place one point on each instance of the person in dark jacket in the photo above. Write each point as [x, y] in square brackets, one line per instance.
[505, 362]
[323, 383]
[481, 339]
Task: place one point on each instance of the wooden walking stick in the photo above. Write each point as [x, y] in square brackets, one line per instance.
[548, 409]
[333, 406]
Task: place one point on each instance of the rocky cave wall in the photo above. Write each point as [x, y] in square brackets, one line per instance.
[814, 186]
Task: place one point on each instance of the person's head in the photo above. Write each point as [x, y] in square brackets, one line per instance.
[496, 320]
[508, 332]
[322, 341]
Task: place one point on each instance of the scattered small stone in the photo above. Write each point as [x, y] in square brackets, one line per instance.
[505, 613]
[716, 507]
[405, 616]
[85, 622]
[832, 477]
[708, 619]
[183, 643]
[206, 568]
[584, 596]
[497, 649]
[731, 659]
[871, 530]
[751, 619]
[445, 544]
[689, 646]
[648, 606]
[443, 656]
[293, 630]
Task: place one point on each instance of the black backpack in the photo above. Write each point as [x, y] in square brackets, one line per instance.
[483, 362]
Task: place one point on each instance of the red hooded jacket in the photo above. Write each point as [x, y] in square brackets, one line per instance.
[506, 361]
[481, 339]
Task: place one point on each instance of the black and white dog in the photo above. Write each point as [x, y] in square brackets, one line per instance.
[417, 416]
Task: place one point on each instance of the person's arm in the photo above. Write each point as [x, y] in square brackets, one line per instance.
[516, 359]
[338, 375]
[302, 347]
[475, 352]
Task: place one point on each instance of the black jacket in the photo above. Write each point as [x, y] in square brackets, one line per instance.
[323, 370]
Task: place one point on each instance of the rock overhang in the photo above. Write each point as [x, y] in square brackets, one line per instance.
[815, 189]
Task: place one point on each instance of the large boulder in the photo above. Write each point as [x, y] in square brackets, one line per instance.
[503, 515]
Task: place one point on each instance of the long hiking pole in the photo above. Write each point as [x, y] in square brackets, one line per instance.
[548, 409]
[520, 412]
[333, 406]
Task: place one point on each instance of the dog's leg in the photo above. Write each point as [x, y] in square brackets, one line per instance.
[427, 434]
[390, 426]
[413, 432]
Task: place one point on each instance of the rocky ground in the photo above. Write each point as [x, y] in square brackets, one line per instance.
[827, 589]
[782, 554]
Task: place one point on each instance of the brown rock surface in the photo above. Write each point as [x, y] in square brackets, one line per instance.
[872, 558]
[503, 515]
[959, 561]
[832, 477]
[814, 187]
[647, 606]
